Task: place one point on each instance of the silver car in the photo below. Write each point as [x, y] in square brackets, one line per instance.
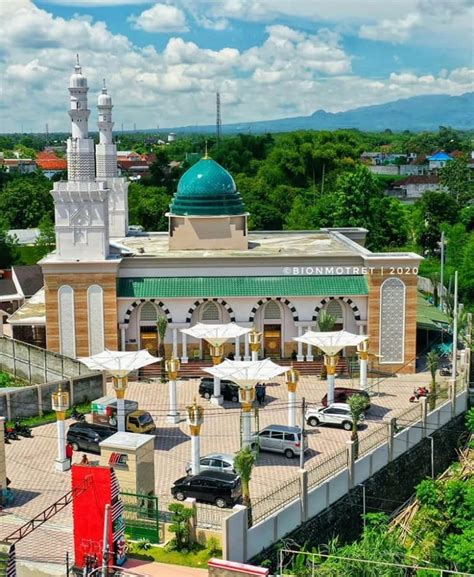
[215, 462]
[280, 439]
[338, 414]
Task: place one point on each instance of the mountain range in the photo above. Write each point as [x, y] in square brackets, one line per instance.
[417, 113]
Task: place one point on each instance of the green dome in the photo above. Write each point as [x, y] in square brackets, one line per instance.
[206, 189]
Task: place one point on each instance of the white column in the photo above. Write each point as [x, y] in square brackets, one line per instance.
[331, 382]
[246, 348]
[195, 454]
[122, 337]
[217, 398]
[173, 413]
[300, 356]
[62, 464]
[363, 373]
[184, 341]
[291, 409]
[254, 355]
[237, 349]
[175, 343]
[309, 349]
[246, 429]
[121, 415]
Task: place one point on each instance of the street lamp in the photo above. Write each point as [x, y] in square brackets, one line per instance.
[363, 352]
[246, 398]
[120, 383]
[195, 419]
[172, 368]
[60, 404]
[292, 378]
[255, 339]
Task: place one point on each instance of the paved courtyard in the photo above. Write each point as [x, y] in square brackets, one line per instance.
[30, 462]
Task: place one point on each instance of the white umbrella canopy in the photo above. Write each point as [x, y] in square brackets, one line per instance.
[119, 363]
[331, 342]
[216, 335]
[247, 374]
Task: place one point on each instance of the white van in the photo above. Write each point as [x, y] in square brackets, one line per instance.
[280, 439]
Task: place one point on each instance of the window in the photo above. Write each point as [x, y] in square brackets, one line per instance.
[67, 333]
[95, 305]
[289, 437]
[133, 421]
[392, 321]
[206, 462]
[149, 312]
[334, 309]
[265, 434]
[277, 435]
[210, 312]
[272, 311]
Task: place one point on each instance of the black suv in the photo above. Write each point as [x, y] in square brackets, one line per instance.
[86, 437]
[222, 489]
[229, 390]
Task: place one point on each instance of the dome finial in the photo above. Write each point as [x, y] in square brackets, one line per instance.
[77, 67]
[104, 86]
[206, 155]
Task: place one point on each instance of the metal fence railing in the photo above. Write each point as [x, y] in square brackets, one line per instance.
[326, 468]
[372, 440]
[277, 499]
[408, 416]
[210, 516]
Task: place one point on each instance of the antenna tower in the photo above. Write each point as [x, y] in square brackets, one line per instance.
[218, 117]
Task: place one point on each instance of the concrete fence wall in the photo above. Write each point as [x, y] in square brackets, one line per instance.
[37, 365]
[35, 400]
[241, 543]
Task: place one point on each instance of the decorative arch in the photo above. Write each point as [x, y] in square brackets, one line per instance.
[222, 302]
[346, 300]
[281, 300]
[138, 302]
[392, 321]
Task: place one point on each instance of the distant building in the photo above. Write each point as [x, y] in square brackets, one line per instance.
[19, 284]
[50, 163]
[171, 137]
[413, 187]
[18, 165]
[438, 160]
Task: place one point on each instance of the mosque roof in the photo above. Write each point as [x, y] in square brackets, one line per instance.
[207, 189]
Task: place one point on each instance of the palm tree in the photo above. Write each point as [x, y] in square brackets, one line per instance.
[326, 323]
[357, 404]
[243, 464]
[161, 327]
[432, 361]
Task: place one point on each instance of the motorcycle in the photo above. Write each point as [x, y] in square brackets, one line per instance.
[10, 434]
[21, 429]
[77, 416]
[419, 393]
[447, 371]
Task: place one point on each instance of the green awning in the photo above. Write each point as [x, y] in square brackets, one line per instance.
[429, 317]
[242, 286]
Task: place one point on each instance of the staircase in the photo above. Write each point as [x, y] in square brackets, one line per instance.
[193, 369]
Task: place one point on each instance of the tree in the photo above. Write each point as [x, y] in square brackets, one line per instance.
[434, 209]
[25, 200]
[357, 404]
[432, 361]
[148, 205]
[46, 241]
[243, 464]
[456, 177]
[326, 323]
[180, 525]
[8, 246]
[161, 327]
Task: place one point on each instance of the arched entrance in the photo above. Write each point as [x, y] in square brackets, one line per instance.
[148, 314]
[211, 312]
[275, 319]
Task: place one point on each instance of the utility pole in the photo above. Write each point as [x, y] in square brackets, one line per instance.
[303, 431]
[105, 552]
[441, 294]
[455, 331]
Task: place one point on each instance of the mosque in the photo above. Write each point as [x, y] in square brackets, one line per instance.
[105, 286]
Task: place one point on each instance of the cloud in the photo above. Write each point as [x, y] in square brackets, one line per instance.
[396, 31]
[290, 70]
[160, 18]
[98, 3]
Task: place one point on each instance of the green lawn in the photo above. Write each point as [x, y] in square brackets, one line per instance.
[50, 416]
[197, 558]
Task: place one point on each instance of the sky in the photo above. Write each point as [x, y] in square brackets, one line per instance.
[163, 61]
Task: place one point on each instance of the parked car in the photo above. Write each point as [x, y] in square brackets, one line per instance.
[341, 394]
[215, 462]
[229, 390]
[280, 439]
[338, 414]
[221, 489]
[86, 437]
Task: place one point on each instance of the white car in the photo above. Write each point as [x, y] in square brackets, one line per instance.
[215, 462]
[336, 414]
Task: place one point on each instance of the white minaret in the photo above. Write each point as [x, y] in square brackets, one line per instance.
[81, 204]
[106, 159]
[80, 148]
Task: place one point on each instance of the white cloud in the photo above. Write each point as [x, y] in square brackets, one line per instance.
[98, 3]
[396, 31]
[160, 18]
[290, 72]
